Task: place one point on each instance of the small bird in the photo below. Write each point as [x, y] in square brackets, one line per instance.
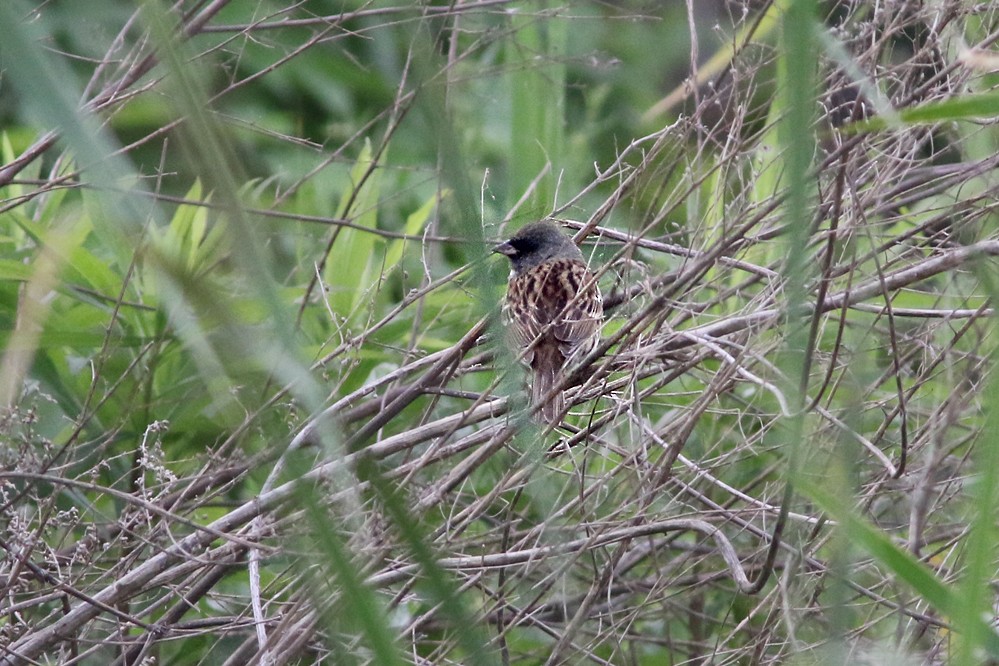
[553, 307]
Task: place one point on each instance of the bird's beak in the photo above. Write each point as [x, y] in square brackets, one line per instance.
[505, 249]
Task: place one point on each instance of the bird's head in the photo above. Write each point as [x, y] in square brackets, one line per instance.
[535, 244]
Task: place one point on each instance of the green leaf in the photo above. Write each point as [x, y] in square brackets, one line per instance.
[14, 270]
[535, 57]
[351, 262]
[7, 154]
[355, 603]
[436, 583]
[414, 224]
[976, 106]
[910, 570]
[87, 268]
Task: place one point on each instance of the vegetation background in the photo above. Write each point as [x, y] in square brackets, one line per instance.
[256, 408]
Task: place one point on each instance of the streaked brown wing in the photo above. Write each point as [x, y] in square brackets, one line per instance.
[518, 311]
[582, 310]
[539, 298]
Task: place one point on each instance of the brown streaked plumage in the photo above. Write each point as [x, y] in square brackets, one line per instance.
[552, 303]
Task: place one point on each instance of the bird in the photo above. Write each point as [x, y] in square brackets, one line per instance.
[553, 308]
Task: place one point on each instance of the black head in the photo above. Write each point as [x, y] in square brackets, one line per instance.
[536, 243]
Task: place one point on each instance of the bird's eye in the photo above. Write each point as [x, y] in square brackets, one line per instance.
[523, 245]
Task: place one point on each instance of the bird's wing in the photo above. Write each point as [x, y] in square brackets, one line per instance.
[544, 299]
[582, 311]
[520, 313]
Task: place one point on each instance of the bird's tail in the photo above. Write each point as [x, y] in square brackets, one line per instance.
[547, 368]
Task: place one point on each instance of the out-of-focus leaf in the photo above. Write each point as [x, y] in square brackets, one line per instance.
[976, 106]
[14, 270]
[414, 224]
[349, 266]
[535, 55]
[902, 563]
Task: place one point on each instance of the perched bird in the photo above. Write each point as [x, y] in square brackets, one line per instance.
[553, 307]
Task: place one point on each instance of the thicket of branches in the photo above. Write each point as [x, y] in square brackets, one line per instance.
[256, 402]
